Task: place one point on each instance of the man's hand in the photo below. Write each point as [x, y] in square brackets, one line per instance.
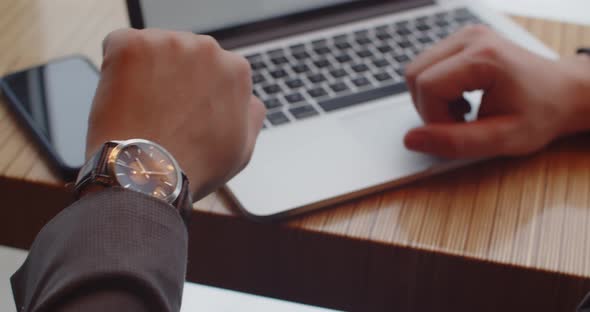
[183, 92]
[528, 100]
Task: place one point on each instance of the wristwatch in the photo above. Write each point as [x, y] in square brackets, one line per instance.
[141, 166]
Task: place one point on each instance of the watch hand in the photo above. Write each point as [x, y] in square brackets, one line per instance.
[126, 166]
[142, 168]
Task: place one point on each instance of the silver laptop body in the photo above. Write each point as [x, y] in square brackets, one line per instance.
[332, 80]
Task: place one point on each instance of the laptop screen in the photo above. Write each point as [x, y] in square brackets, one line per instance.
[205, 16]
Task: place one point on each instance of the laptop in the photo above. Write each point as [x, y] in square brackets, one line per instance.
[331, 74]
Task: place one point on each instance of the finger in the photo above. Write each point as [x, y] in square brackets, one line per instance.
[113, 39]
[444, 83]
[443, 50]
[256, 114]
[483, 138]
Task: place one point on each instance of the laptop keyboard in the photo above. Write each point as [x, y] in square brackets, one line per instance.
[328, 74]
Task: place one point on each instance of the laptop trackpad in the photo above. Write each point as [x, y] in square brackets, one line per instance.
[382, 127]
[381, 130]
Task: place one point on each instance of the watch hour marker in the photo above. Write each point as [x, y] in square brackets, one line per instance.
[127, 154]
[120, 174]
[168, 183]
[127, 185]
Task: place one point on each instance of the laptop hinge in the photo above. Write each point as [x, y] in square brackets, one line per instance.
[242, 36]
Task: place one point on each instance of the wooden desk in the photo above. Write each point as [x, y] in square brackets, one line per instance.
[509, 234]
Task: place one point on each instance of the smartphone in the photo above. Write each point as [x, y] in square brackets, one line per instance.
[53, 101]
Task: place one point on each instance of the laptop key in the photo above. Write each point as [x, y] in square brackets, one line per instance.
[279, 60]
[422, 27]
[422, 19]
[301, 55]
[258, 65]
[272, 89]
[362, 97]
[343, 45]
[405, 44]
[338, 87]
[294, 83]
[361, 82]
[319, 43]
[361, 33]
[272, 103]
[277, 118]
[322, 50]
[258, 78]
[402, 24]
[302, 112]
[294, 98]
[343, 58]
[441, 15]
[275, 53]
[316, 78]
[340, 38]
[297, 47]
[380, 63]
[442, 34]
[322, 63]
[279, 73]
[360, 68]
[382, 28]
[384, 48]
[363, 41]
[364, 53]
[300, 68]
[253, 57]
[382, 76]
[383, 36]
[404, 32]
[441, 23]
[401, 58]
[338, 73]
[425, 40]
[317, 92]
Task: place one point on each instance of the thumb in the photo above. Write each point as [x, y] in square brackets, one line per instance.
[483, 138]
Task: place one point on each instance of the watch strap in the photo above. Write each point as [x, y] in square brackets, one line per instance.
[96, 166]
[184, 202]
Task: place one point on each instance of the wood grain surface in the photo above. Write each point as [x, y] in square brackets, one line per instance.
[530, 212]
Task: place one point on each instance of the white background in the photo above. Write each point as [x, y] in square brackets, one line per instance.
[575, 11]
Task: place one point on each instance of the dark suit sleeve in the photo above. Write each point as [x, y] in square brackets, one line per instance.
[114, 250]
[585, 305]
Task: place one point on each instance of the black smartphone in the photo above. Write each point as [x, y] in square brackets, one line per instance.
[54, 100]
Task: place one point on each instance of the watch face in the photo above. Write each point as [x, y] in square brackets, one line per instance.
[147, 168]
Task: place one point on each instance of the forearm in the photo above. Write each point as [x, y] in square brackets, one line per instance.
[106, 250]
